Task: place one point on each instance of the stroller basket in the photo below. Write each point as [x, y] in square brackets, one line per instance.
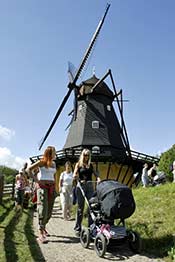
[118, 232]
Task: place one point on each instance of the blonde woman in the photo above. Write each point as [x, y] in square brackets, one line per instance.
[83, 173]
[45, 184]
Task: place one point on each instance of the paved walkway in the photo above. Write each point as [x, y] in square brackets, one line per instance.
[63, 246]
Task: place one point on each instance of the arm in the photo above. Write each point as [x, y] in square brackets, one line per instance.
[32, 167]
[75, 174]
[60, 182]
[16, 178]
[96, 174]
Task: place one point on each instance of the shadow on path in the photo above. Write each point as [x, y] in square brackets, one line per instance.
[32, 242]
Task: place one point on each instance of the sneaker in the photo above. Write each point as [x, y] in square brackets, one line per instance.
[42, 240]
[77, 233]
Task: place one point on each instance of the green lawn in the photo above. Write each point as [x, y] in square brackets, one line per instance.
[17, 239]
[154, 220]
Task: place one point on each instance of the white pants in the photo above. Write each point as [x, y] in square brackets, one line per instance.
[66, 200]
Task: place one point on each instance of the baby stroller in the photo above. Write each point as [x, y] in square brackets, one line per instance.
[159, 178]
[112, 200]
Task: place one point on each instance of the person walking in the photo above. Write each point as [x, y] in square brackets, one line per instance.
[144, 177]
[65, 188]
[173, 171]
[20, 184]
[83, 176]
[45, 186]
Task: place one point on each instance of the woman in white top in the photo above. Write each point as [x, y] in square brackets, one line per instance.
[45, 184]
[145, 178]
[65, 186]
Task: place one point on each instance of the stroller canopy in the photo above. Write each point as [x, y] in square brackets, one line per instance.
[116, 199]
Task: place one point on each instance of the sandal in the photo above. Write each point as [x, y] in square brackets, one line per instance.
[42, 239]
[46, 233]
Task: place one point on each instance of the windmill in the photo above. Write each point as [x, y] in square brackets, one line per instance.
[96, 125]
[73, 80]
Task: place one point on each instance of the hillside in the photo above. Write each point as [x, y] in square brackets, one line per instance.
[154, 217]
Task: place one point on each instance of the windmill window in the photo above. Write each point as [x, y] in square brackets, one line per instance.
[108, 107]
[95, 124]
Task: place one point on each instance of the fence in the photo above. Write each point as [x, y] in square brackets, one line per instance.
[6, 189]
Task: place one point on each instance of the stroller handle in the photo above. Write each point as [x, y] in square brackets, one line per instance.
[80, 183]
[87, 182]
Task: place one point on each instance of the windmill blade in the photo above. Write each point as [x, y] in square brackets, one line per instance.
[56, 117]
[84, 60]
[88, 51]
[71, 72]
[73, 80]
[75, 103]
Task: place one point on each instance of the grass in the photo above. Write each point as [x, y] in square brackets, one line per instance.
[17, 239]
[154, 218]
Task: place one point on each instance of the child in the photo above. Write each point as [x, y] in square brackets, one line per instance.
[65, 186]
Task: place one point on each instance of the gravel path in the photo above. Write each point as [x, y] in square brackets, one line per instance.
[63, 246]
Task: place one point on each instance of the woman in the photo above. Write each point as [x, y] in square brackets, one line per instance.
[65, 188]
[45, 186]
[83, 174]
[145, 179]
[20, 184]
[173, 172]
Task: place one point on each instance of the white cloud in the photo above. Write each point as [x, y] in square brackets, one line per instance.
[6, 133]
[9, 160]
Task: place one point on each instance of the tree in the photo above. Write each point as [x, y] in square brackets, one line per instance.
[9, 173]
[166, 161]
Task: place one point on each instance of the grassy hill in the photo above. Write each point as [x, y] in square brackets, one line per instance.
[154, 218]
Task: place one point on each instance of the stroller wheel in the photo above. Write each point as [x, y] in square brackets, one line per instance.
[100, 245]
[85, 237]
[134, 241]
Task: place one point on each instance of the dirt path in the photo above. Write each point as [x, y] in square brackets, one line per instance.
[63, 246]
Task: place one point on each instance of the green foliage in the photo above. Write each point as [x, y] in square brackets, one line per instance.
[171, 253]
[166, 161]
[9, 173]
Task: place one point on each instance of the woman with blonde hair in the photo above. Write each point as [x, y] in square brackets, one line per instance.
[45, 186]
[83, 175]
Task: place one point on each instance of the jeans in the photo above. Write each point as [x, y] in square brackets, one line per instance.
[87, 188]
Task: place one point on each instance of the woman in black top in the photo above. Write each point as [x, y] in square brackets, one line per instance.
[83, 174]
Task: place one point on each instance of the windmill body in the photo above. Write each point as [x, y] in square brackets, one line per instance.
[96, 123]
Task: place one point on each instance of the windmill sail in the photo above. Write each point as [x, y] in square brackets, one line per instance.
[72, 85]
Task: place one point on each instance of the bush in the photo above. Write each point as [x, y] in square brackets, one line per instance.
[166, 161]
[8, 173]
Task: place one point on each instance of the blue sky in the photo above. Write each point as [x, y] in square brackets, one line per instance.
[38, 38]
